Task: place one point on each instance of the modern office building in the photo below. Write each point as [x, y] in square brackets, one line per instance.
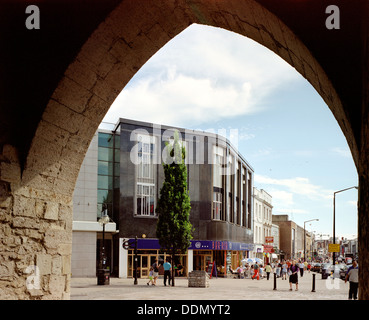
[129, 177]
[94, 187]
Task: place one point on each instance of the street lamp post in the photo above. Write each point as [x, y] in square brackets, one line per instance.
[334, 219]
[103, 276]
[305, 236]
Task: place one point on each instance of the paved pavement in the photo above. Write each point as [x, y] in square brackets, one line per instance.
[219, 289]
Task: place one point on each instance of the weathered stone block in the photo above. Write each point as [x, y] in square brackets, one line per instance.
[67, 265]
[43, 262]
[52, 211]
[24, 222]
[57, 265]
[24, 206]
[57, 286]
[7, 270]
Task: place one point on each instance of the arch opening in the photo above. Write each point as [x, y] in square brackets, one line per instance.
[106, 62]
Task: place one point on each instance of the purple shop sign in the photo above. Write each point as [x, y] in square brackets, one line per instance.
[199, 245]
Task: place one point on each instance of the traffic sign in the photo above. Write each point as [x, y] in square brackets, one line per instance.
[334, 247]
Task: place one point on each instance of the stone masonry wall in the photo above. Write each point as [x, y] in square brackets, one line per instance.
[34, 239]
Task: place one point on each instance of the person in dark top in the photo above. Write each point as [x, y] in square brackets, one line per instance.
[293, 272]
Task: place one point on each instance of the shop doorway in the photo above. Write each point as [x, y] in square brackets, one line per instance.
[144, 262]
[201, 259]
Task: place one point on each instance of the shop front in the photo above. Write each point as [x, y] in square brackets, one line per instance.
[258, 251]
[202, 253]
[268, 251]
[225, 255]
[148, 250]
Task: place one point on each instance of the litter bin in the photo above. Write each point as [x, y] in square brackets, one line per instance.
[103, 276]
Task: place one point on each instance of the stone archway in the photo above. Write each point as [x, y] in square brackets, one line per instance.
[37, 206]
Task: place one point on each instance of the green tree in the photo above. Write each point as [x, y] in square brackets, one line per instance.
[174, 229]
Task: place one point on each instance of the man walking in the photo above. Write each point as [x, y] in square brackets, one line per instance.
[167, 266]
[353, 276]
[256, 271]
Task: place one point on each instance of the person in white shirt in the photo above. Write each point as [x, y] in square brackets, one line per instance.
[353, 277]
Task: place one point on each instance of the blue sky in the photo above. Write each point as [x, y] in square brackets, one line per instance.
[211, 79]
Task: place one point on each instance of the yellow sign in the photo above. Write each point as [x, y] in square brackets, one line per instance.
[334, 247]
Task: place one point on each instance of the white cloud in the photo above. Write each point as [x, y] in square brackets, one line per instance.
[203, 75]
[353, 203]
[283, 198]
[342, 152]
[297, 185]
[182, 99]
[262, 153]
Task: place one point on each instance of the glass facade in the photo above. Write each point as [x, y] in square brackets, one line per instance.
[108, 174]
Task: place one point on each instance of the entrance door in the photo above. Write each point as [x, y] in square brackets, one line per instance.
[147, 260]
[145, 267]
[201, 261]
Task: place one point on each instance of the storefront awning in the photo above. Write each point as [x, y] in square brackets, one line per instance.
[268, 249]
[199, 245]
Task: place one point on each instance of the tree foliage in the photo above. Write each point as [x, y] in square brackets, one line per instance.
[174, 229]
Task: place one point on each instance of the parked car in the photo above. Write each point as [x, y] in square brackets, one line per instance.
[343, 270]
[326, 270]
[316, 267]
[348, 260]
[336, 270]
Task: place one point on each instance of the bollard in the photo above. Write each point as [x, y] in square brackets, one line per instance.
[275, 281]
[313, 290]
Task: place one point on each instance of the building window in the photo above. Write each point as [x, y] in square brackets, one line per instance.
[108, 168]
[145, 199]
[249, 200]
[230, 188]
[243, 197]
[146, 176]
[217, 204]
[218, 181]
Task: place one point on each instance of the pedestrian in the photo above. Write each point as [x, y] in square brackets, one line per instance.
[268, 269]
[167, 266]
[256, 271]
[261, 271]
[353, 277]
[247, 270]
[151, 275]
[278, 269]
[284, 270]
[155, 267]
[293, 273]
[301, 267]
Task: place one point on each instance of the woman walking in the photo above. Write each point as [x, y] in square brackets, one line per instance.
[284, 270]
[293, 272]
[268, 270]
